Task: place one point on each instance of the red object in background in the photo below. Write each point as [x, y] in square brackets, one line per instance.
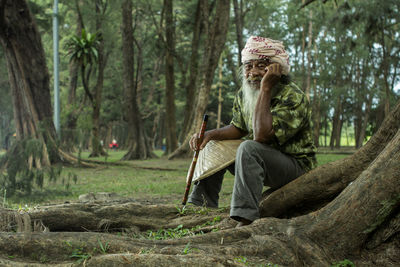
[113, 145]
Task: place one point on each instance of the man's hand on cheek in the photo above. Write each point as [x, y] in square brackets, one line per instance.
[271, 77]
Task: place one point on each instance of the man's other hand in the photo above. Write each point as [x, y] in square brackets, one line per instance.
[195, 141]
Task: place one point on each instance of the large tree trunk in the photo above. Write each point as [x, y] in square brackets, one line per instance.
[29, 81]
[138, 147]
[28, 76]
[325, 182]
[214, 46]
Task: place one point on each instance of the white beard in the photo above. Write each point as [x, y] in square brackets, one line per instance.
[250, 96]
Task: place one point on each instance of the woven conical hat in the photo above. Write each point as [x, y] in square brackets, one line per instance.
[215, 156]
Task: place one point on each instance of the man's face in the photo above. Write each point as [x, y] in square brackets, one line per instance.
[254, 71]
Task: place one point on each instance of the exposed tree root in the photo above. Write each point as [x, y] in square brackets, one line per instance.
[321, 185]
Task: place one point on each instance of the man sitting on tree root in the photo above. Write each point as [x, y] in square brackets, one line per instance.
[275, 115]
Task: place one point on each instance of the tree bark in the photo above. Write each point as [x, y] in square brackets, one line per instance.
[214, 46]
[172, 141]
[316, 114]
[309, 57]
[29, 81]
[193, 68]
[138, 146]
[336, 124]
[73, 111]
[28, 76]
[325, 182]
[97, 149]
[239, 17]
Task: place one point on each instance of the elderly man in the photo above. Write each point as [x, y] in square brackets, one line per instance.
[274, 114]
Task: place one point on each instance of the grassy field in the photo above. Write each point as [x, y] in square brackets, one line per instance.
[155, 181]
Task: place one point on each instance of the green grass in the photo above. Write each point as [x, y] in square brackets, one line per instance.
[158, 180]
[325, 158]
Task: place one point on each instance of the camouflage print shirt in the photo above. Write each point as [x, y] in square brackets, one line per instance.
[291, 118]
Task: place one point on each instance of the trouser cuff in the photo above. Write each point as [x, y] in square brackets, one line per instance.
[249, 214]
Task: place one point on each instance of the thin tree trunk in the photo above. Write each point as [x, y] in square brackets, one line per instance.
[234, 70]
[239, 17]
[220, 99]
[336, 124]
[193, 68]
[316, 114]
[73, 111]
[138, 147]
[214, 46]
[385, 69]
[97, 149]
[172, 141]
[309, 58]
[365, 120]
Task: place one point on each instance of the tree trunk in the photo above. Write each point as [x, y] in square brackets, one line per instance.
[365, 120]
[138, 145]
[172, 141]
[220, 99]
[73, 112]
[97, 149]
[327, 181]
[239, 17]
[316, 114]
[214, 46]
[193, 68]
[28, 76]
[29, 81]
[309, 57]
[336, 124]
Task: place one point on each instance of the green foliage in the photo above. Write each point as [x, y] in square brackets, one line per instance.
[179, 231]
[104, 248]
[192, 210]
[354, 54]
[186, 249]
[80, 255]
[241, 259]
[343, 263]
[24, 172]
[84, 48]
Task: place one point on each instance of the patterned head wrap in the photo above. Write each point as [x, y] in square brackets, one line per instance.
[265, 48]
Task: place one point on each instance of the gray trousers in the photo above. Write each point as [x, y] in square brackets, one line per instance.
[256, 165]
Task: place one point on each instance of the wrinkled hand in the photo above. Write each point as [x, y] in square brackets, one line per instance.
[271, 77]
[195, 141]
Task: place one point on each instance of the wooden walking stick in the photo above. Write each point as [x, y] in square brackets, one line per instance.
[194, 161]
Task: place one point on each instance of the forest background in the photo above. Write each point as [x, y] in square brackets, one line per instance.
[343, 54]
[144, 73]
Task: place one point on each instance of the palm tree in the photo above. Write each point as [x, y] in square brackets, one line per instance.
[84, 50]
